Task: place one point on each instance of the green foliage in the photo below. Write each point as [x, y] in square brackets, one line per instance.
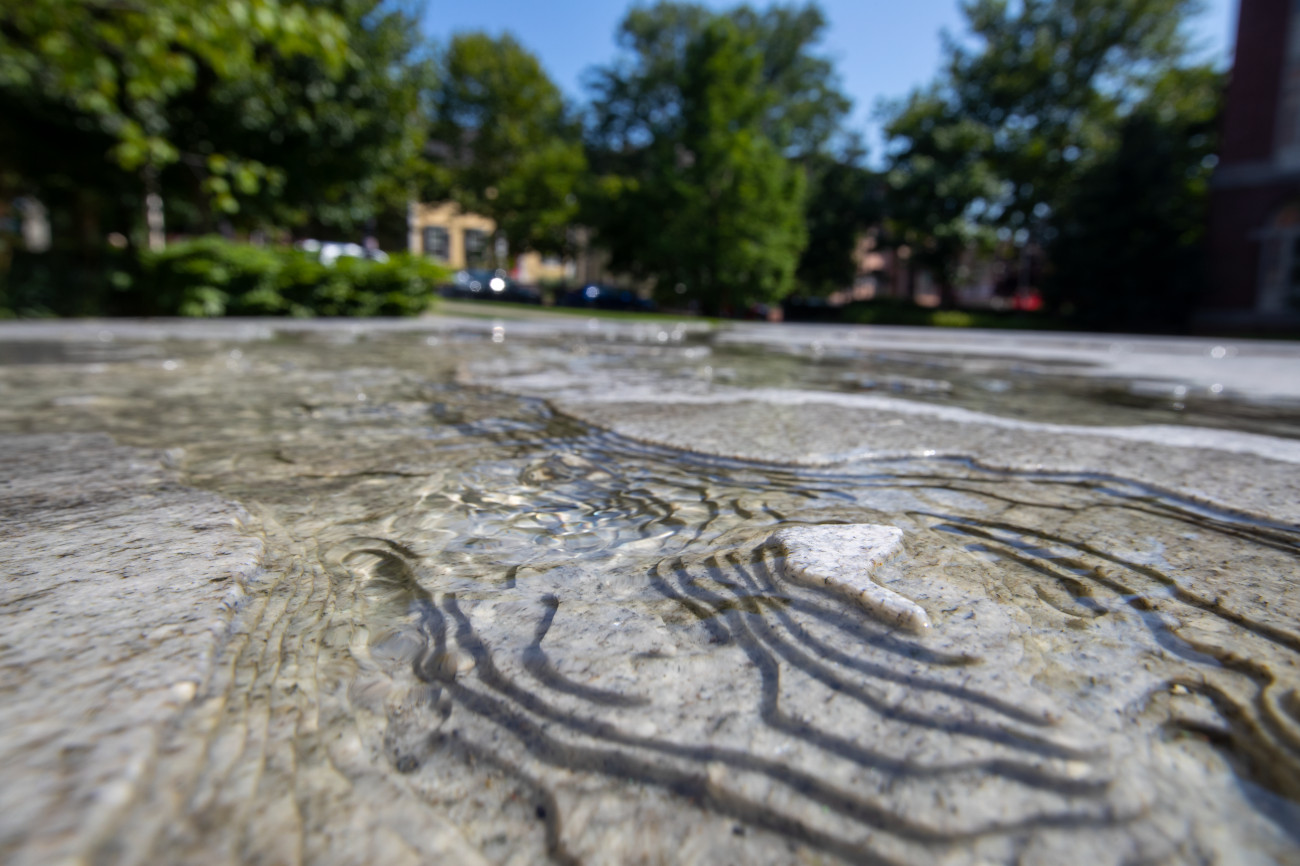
[800, 104]
[805, 106]
[253, 113]
[933, 186]
[210, 276]
[693, 133]
[1048, 81]
[1128, 253]
[1033, 99]
[42, 285]
[213, 277]
[894, 312]
[117, 66]
[844, 200]
[340, 145]
[502, 141]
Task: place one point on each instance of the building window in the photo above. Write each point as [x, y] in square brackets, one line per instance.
[476, 248]
[437, 243]
[1279, 262]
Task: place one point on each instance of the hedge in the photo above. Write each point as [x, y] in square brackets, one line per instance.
[211, 276]
[214, 277]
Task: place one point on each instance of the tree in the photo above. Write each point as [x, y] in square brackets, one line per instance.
[113, 69]
[803, 106]
[844, 200]
[1050, 79]
[1031, 99]
[933, 189]
[1128, 252]
[502, 141]
[338, 145]
[697, 133]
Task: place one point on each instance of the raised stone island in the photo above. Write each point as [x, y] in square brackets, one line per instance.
[550, 589]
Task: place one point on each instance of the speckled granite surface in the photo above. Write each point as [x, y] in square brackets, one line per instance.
[510, 591]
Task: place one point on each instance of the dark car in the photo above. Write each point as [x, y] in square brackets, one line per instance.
[490, 286]
[596, 296]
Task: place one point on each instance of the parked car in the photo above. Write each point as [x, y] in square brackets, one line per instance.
[597, 296]
[490, 286]
[329, 252]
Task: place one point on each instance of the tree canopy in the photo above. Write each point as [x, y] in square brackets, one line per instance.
[503, 142]
[1034, 96]
[1127, 251]
[340, 143]
[272, 108]
[120, 64]
[714, 161]
[698, 131]
[844, 201]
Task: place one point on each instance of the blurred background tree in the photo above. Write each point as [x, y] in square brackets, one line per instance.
[132, 119]
[700, 134]
[804, 108]
[1128, 250]
[94, 74]
[502, 141]
[1072, 139]
[938, 188]
[845, 200]
[337, 144]
[1034, 98]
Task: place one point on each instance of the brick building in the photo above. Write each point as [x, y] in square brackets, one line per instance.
[1255, 196]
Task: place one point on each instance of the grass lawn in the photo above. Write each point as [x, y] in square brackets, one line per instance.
[503, 310]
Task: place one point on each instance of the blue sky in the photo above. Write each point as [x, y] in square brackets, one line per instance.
[881, 49]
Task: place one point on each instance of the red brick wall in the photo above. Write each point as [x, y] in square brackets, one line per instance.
[1240, 208]
[1234, 254]
[1255, 85]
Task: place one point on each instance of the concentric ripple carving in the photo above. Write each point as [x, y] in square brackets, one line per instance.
[712, 679]
[703, 689]
[650, 672]
[708, 687]
[486, 633]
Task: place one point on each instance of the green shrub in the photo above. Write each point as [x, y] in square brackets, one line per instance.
[888, 311]
[211, 276]
[63, 283]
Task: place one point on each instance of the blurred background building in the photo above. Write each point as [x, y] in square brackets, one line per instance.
[451, 236]
[1255, 198]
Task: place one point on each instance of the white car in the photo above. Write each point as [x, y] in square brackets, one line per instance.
[331, 251]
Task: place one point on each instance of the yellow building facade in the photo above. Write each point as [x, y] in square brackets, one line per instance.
[445, 233]
[460, 240]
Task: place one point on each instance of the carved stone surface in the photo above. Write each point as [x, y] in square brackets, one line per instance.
[118, 585]
[843, 558]
[409, 593]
